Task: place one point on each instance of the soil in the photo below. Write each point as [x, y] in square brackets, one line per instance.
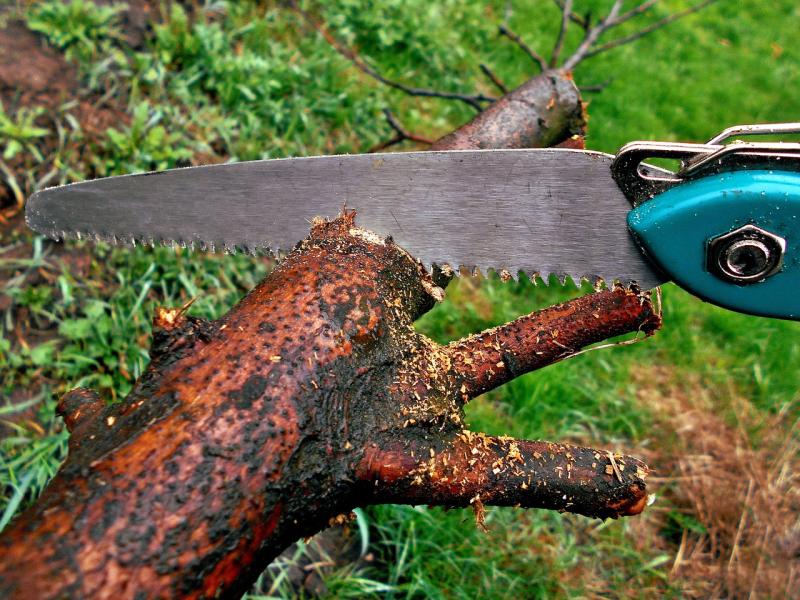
[30, 72]
[34, 75]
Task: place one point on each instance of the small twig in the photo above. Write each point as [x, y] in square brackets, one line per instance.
[534, 56]
[402, 134]
[584, 22]
[649, 29]
[591, 37]
[494, 78]
[476, 101]
[596, 87]
[636, 11]
[590, 45]
[614, 466]
[566, 11]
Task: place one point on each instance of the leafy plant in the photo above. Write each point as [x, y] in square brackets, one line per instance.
[19, 131]
[83, 29]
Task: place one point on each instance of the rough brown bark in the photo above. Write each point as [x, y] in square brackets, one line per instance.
[312, 396]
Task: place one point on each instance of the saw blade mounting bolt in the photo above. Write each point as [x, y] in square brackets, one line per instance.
[746, 255]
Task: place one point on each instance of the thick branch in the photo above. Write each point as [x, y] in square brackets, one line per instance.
[491, 358]
[505, 472]
[251, 431]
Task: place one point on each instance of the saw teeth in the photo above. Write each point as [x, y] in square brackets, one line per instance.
[578, 279]
[542, 276]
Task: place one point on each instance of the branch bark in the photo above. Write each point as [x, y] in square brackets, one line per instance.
[312, 396]
[544, 111]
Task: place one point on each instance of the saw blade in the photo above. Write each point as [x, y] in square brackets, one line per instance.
[537, 211]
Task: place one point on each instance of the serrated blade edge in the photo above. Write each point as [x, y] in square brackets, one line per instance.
[536, 211]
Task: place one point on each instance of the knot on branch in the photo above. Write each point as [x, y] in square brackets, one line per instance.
[78, 407]
[175, 333]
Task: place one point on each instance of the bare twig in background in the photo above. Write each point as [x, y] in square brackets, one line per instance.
[476, 101]
[594, 28]
[596, 87]
[590, 45]
[649, 29]
[583, 21]
[535, 56]
[593, 33]
[494, 78]
[566, 11]
[402, 134]
[637, 10]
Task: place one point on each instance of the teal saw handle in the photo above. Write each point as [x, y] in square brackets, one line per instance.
[732, 239]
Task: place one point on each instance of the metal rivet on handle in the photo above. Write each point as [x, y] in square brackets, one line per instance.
[746, 255]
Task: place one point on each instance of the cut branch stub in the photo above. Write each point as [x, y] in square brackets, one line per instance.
[312, 396]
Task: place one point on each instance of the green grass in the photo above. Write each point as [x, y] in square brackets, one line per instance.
[249, 81]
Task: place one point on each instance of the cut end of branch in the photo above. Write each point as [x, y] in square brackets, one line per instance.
[168, 319]
[341, 225]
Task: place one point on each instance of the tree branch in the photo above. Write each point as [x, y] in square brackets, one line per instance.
[402, 134]
[636, 11]
[583, 21]
[543, 111]
[591, 37]
[312, 396]
[494, 79]
[566, 12]
[590, 45]
[476, 468]
[487, 360]
[621, 41]
[537, 58]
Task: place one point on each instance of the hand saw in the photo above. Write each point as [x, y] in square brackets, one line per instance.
[725, 225]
